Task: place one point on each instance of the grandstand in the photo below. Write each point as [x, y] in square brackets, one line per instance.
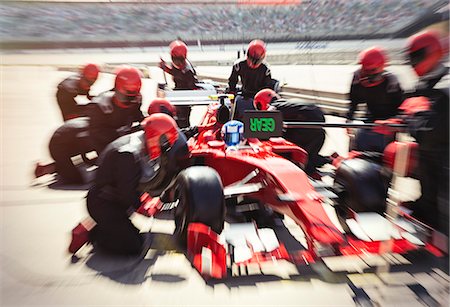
[144, 23]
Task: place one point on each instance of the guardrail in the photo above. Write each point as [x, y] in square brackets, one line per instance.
[330, 102]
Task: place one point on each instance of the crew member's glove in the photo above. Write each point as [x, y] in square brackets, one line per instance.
[414, 105]
[230, 91]
[163, 65]
[189, 131]
[349, 131]
[149, 205]
[384, 128]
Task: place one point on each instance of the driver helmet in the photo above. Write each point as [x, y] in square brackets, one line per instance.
[373, 61]
[256, 52]
[162, 105]
[264, 98]
[233, 133]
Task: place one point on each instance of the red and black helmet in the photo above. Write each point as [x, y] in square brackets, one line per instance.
[161, 132]
[373, 61]
[256, 52]
[424, 51]
[264, 98]
[127, 86]
[178, 52]
[162, 105]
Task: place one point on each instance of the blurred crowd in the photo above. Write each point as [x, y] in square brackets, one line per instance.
[146, 21]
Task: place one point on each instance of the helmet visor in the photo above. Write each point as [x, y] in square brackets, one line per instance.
[255, 60]
[129, 99]
[373, 78]
[179, 61]
[416, 57]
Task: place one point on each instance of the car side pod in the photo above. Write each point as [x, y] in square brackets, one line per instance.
[205, 251]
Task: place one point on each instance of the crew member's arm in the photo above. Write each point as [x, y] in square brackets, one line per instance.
[354, 98]
[267, 78]
[100, 131]
[163, 65]
[233, 79]
[395, 91]
[127, 173]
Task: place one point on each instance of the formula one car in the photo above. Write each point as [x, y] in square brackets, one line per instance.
[264, 173]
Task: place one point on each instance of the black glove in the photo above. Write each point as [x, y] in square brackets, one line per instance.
[189, 131]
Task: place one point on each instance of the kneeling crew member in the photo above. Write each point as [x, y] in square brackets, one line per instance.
[71, 87]
[126, 165]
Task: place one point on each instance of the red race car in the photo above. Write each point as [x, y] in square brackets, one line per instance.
[260, 171]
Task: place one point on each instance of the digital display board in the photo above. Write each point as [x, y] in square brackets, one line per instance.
[263, 124]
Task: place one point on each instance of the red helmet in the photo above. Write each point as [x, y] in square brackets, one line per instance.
[424, 51]
[256, 52]
[161, 132]
[178, 49]
[373, 61]
[127, 86]
[178, 52]
[263, 99]
[161, 105]
[90, 72]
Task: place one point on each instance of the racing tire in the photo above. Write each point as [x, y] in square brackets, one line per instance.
[361, 186]
[200, 200]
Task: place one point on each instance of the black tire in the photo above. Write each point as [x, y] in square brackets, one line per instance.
[200, 194]
[361, 186]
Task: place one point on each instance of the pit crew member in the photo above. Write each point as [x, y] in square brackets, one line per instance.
[254, 76]
[380, 91]
[73, 86]
[184, 76]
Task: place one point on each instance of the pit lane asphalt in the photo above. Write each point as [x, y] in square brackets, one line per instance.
[37, 217]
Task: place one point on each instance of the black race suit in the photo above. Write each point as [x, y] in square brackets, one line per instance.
[109, 121]
[69, 140]
[68, 89]
[382, 102]
[184, 79]
[431, 130]
[310, 140]
[123, 169]
[253, 80]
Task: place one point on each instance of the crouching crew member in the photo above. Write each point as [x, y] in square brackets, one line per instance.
[73, 86]
[113, 112]
[148, 160]
[110, 116]
[310, 140]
